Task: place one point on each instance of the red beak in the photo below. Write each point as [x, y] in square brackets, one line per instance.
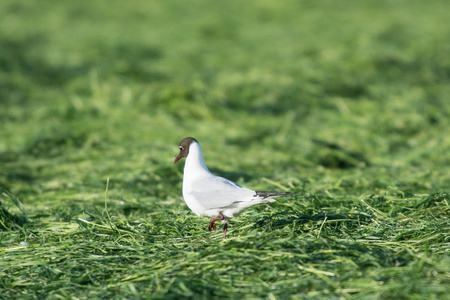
[177, 158]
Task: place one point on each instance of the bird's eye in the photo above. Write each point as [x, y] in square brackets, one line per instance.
[181, 148]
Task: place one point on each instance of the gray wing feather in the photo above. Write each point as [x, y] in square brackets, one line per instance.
[220, 192]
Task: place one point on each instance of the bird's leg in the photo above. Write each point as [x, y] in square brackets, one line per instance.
[211, 222]
[225, 226]
[212, 225]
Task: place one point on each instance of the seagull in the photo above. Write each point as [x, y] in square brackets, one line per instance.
[208, 195]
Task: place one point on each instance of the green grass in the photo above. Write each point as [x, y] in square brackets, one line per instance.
[346, 104]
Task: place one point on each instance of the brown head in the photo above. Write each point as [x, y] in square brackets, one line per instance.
[184, 147]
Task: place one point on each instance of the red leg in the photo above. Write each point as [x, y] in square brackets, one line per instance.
[225, 226]
[212, 225]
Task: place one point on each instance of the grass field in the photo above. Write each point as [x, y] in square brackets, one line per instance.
[344, 103]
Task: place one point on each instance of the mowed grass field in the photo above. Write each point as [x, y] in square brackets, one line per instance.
[344, 103]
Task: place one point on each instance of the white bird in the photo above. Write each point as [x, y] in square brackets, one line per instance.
[212, 196]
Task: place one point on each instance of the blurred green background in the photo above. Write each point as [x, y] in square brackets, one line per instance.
[333, 99]
[90, 88]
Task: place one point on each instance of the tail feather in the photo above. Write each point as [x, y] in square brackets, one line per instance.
[271, 194]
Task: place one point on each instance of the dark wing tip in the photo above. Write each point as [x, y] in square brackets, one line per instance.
[271, 194]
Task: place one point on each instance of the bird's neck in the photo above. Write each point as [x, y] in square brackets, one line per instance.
[195, 165]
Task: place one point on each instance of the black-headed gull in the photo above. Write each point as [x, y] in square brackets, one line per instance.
[212, 196]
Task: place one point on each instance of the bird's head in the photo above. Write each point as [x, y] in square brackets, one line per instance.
[184, 147]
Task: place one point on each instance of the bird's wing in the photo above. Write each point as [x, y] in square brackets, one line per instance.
[218, 192]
